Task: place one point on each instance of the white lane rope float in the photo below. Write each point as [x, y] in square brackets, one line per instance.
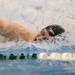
[41, 56]
[57, 56]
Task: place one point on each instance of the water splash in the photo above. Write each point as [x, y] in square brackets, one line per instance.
[37, 16]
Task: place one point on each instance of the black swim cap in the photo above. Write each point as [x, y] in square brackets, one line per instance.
[54, 30]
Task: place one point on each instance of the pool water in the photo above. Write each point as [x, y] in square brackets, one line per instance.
[36, 67]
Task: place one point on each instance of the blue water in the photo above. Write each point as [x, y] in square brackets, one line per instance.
[36, 67]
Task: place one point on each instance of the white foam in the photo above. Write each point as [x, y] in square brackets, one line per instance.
[37, 14]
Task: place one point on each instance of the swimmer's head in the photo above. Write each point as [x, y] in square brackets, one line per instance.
[50, 31]
[54, 30]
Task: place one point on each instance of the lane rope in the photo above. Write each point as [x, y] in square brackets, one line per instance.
[41, 56]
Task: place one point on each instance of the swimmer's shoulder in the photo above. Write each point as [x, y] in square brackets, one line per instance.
[4, 23]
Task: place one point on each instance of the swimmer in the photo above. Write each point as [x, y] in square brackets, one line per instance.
[13, 30]
[50, 31]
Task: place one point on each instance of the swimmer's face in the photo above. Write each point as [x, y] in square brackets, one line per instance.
[43, 35]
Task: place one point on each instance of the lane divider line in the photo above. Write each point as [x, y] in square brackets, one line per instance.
[66, 56]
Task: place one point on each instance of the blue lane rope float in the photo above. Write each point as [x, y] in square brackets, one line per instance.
[41, 56]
